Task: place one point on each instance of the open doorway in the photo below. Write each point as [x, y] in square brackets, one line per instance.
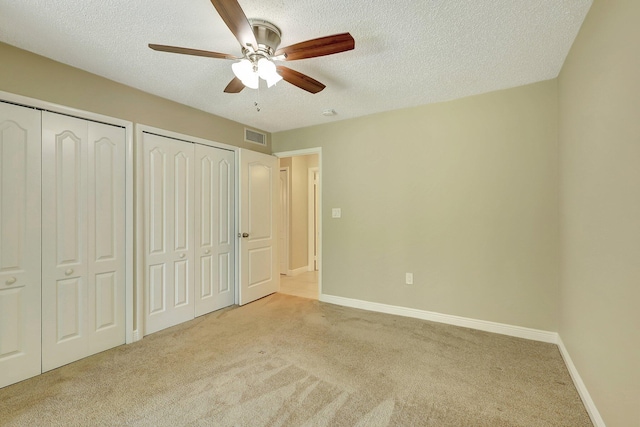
[300, 223]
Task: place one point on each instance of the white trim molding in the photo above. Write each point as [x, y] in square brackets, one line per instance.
[482, 325]
[596, 419]
[297, 271]
[312, 221]
[301, 152]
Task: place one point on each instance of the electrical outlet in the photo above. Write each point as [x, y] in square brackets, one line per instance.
[409, 278]
[336, 213]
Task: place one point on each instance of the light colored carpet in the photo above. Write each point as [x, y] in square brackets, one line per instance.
[288, 361]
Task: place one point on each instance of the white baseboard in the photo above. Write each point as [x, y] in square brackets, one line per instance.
[297, 271]
[482, 325]
[596, 419]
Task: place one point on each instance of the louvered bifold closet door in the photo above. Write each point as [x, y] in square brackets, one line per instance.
[83, 235]
[167, 176]
[215, 229]
[20, 138]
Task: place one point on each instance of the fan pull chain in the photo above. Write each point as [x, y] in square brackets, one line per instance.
[256, 103]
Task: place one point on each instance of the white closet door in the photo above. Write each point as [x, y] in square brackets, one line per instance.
[20, 138]
[106, 236]
[214, 209]
[169, 233]
[83, 258]
[64, 235]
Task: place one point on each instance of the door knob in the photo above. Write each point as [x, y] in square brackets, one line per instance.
[245, 234]
[207, 251]
[182, 255]
[11, 281]
[68, 272]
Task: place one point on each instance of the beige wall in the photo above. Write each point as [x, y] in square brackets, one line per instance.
[462, 194]
[599, 102]
[299, 213]
[27, 74]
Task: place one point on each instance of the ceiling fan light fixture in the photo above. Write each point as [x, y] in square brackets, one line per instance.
[243, 69]
[267, 71]
[252, 81]
[274, 80]
[245, 72]
[249, 74]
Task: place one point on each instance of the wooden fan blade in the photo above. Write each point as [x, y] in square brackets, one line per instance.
[318, 47]
[234, 86]
[301, 80]
[232, 15]
[187, 51]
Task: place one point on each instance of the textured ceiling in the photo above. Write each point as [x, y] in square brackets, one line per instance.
[408, 52]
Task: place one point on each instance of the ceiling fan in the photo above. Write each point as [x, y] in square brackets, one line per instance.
[259, 40]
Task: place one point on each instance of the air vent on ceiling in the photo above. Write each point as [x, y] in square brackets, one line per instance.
[255, 137]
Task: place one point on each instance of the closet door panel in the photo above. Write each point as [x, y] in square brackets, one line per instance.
[215, 228]
[157, 260]
[156, 215]
[70, 194]
[183, 227]
[69, 294]
[226, 229]
[83, 254]
[64, 237]
[106, 232]
[205, 230]
[167, 176]
[183, 200]
[20, 209]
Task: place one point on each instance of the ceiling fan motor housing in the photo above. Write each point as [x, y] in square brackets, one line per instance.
[267, 36]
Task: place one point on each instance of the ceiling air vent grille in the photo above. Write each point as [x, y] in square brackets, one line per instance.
[255, 137]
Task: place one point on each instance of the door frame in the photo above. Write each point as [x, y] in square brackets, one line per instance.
[305, 152]
[28, 102]
[139, 212]
[313, 219]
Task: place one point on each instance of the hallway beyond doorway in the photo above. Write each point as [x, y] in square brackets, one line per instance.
[302, 285]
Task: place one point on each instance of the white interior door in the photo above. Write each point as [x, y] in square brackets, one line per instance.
[20, 144]
[168, 176]
[83, 238]
[259, 204]
[215, 229]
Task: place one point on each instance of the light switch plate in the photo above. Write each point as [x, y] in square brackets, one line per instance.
[336, 213]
